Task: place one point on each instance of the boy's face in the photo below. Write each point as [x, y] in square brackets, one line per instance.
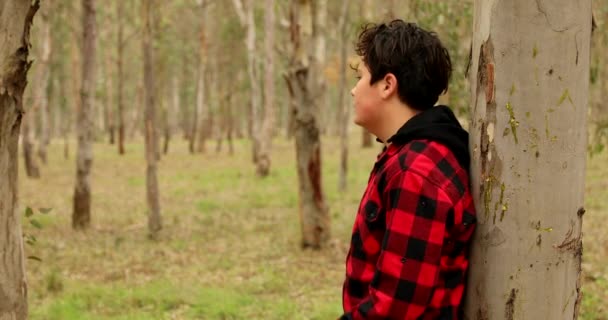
[367, 99]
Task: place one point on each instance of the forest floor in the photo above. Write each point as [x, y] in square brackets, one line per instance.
[229, 248]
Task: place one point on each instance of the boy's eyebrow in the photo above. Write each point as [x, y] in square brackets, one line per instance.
[354, 67]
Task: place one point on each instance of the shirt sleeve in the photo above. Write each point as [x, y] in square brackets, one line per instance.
[408, 266]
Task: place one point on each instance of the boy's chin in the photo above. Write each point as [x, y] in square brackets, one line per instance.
[358, 122]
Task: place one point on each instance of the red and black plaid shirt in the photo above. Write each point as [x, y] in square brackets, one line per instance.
[409, 250]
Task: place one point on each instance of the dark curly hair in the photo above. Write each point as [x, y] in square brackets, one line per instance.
[415, 56]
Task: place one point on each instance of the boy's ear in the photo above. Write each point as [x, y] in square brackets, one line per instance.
[389, 85]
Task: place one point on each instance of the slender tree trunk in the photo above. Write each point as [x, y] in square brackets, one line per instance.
[44, 81]
[120, 76]
[247, 21]
[194, 124]
[109, 104]
[135, 114]
[302, 81]
[81, 216]
[154, 217]
[231, 124]
[599, 107]
[166, 128]
[185, 110]
[63, 114]
[320, 53]
[172, 113]
[343, 107]
[201, 104]
[367, 11]
[27, 140]
[15, 22]
[263, 163]
[528, 139]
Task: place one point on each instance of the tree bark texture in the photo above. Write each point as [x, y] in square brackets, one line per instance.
[81, 216]
[15, 22]
[302, 82]
[530, 84]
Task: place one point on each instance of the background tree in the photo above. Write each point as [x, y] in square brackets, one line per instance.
[599, 80]
[154, 217]
[81, 216]
[302, 81]
[198, 132]
[529, 80]
[44, 66]
[15, 22]
[120, 48]
[245, 12]
[343, 107]
[263, 163]
[27, 142]
[367, 12]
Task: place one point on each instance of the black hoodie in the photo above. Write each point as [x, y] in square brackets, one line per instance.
[437, 124]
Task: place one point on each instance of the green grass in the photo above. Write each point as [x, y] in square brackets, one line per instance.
[229, 248]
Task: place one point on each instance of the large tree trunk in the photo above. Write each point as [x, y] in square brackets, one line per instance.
[154, 217]
[263, 163]
[120, 9]
[343, 107]
[528, 138]
[302, 81]
[43, 84]
[81, 216]
[15, 21]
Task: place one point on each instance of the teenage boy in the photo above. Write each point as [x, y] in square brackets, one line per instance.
[408, 257]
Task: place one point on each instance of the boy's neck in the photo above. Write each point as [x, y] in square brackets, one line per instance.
[397, 116]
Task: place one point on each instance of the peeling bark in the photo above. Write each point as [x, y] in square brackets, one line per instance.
[532, 69]
[15, 22]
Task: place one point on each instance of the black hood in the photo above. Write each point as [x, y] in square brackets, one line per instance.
[440, 125]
